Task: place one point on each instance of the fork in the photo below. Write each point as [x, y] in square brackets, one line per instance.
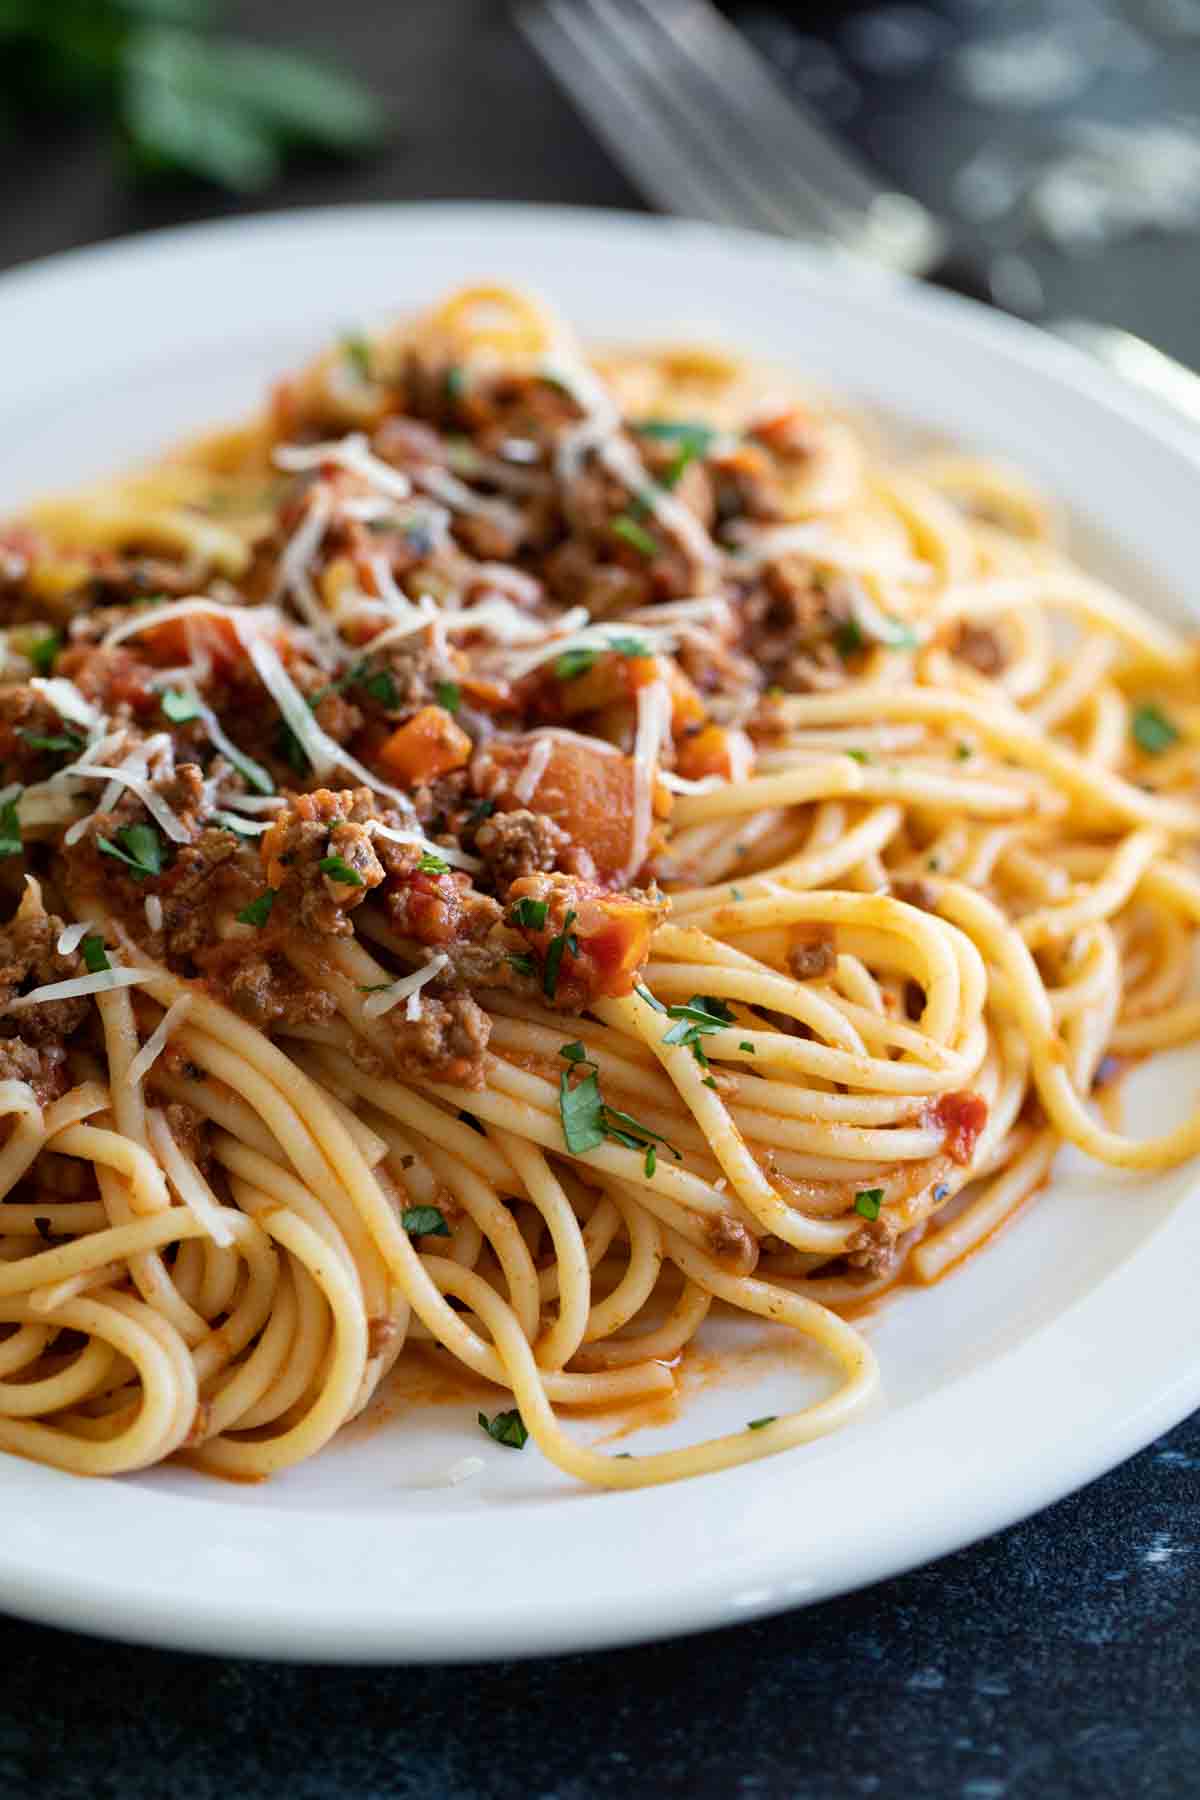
[695, 116]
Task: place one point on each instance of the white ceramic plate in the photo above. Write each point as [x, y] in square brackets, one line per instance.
[1064, 1348]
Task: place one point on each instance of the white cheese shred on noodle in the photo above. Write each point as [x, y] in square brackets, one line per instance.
[653, 723]
[525, 786]
[67, 700]
[154, 912]
[71, 936]
[349, 453]
[154, 803]
[408, 987]
[79, 985]
[156, 1043]
[447, 852]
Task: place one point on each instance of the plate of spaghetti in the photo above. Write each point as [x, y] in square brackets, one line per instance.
[596, 1002]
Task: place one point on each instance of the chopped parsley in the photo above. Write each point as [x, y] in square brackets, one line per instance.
[10, 828]
[507, 1428]
[748, 1047]
[140, 847]
[566, 940]
[626, 527]
[179, 706]
[380, 686]
[425, 1221]
[860, 756]
[757, 1424]
[338, 869]
[588, 1120]
[675, 469]
[449, 695]
[963, 752]
[430, 864]
[531, 913]
[43, 654]
[736, 893]
[258, 911]
[867, 1202]
[456, 381]
[95, 956]
[698, 1019]
[643, 993]
[848, 639]
[1152, 731]
[482, 810]
[629, 646]
[521, 962]
[574, 663]
[687, 433]
[288, 745]
[357, 352]
[60, 742]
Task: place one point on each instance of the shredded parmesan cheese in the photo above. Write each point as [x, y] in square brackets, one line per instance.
[349, 453]
[525, 786]
[653, 725]
[156, 1043]
[408, 987]
[154, 912]
[71, 936]
[187, 1180]
[79, 985]
[154, 803]
[67, 700]
[448, 853]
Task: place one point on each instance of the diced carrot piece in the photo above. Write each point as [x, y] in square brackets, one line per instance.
[425, 746]
[612, 677]
[616, 935]
[717, 750]
[687, 708]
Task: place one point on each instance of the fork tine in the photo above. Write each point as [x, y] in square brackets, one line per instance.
[605, 89]
[675, 88]
[790, 155]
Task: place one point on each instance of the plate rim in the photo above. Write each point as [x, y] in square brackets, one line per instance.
[1154, 1387]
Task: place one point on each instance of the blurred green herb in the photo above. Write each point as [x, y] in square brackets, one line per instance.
[182, 99]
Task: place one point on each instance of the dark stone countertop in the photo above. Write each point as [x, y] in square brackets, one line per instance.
[1055, 1660]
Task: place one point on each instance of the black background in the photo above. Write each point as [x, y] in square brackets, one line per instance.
[1055, 1660]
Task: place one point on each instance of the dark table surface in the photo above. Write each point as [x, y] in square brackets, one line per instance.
[1058, 1659]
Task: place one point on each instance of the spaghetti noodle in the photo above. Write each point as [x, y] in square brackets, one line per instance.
[507, 853]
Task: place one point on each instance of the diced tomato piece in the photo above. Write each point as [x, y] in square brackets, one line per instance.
[584, 788]
[425, 746]
[962, 1117]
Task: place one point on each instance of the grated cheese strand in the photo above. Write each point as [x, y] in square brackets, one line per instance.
[156, 1043]
[408, 987]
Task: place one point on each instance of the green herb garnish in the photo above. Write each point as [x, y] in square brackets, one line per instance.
[456, 382]
[554, 955]
[140, 847]
[425, 1221]
[10, 828]
[531, 913]
[338, 869]
[643, 993]
[626, 527]
[449, 695]
[757, 1424]
[258, 911]
[867, 1202]
[521, 962]
[356, 350]
[574, 663]
[587, 1119]
[483, 809]
[42, 654]
[179, 706]
[848, 639]
[699, 439]
[288, 745]
[429, 864]
[629, 646]
[860, 756]
[60, 743]
[95, 956]
[1152, 731]
[507, 1428]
